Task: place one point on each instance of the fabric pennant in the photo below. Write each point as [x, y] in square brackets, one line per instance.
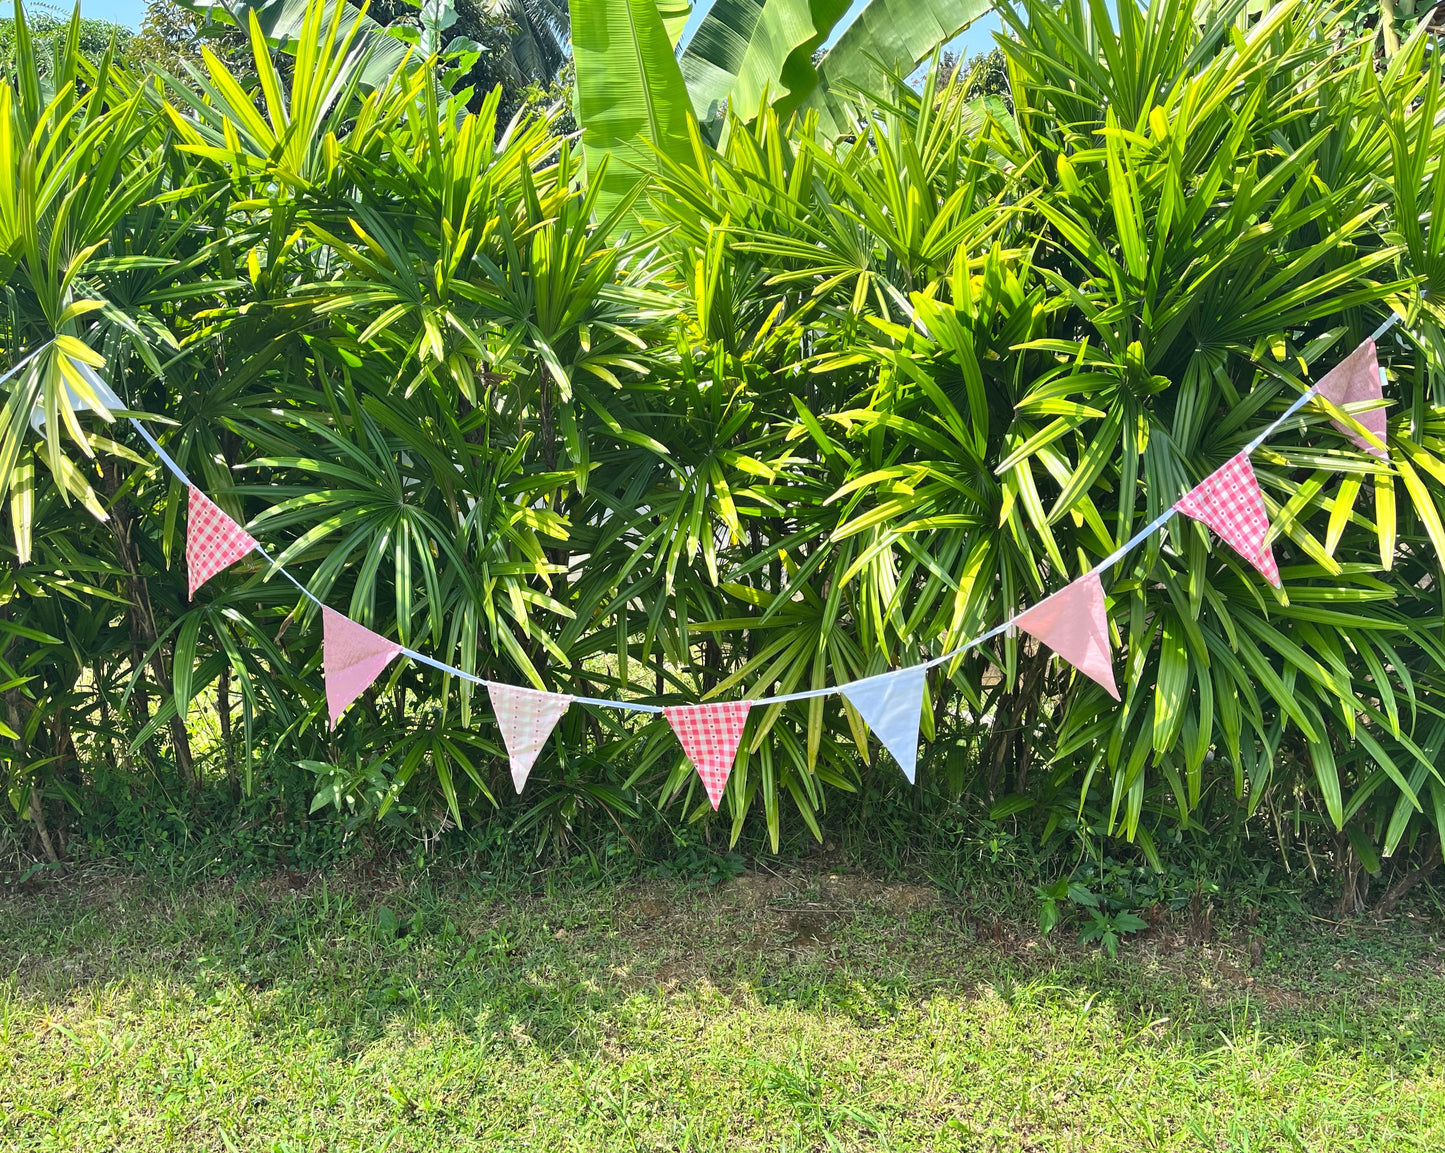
[1074, 623]
[710, 735]
[891, 704]
[213, 541]
[1228, 501]
[352, 657]
[103, 392]
[526, 718]
[1356, 379]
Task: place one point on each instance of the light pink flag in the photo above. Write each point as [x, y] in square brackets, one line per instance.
[352, 657]
[1228, 501]
[1074, 624]
[526, 718]
[213, 541]
[710, 735]
[1356, 379]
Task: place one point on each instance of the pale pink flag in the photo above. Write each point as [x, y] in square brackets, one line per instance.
[1228, 501]
[710, 735]
[526, 718]
[1074, 624]
[1353, 380]
[351, 657]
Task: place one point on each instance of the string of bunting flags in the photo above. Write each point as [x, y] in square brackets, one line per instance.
[1072, 623]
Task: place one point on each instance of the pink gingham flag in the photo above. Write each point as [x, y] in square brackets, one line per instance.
[526, 718]
[352, 656]
[710, 735]
[213, 541]
[1228, 501]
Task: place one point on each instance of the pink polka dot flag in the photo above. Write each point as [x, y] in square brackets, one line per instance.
[526, 718]
[352, 656]
[1228, 501]
[213, 541]
[710, 735]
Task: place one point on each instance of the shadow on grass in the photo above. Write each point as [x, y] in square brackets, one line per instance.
[552, 970]
[808, 1010]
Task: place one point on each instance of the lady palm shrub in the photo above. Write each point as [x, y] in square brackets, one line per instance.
[805, 409]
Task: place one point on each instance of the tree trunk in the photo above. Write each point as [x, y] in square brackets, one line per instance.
[223, 710]
[1012, 717]
[142, 618]
[67, 769]
[37, 816]
[1355, 883]
[35, 811]
[1402, 885]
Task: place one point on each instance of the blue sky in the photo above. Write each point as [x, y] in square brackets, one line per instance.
[979, 38]
[130, 12]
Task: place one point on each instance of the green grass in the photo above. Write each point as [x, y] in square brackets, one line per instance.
[807, 1010]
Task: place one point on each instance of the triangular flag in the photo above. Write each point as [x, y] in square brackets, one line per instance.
[213, 541]
[710, 735]
[103, 392]
[526, 718]
[891, 704]
[1074, 624]
[1356, 379]
[1228, 500]
[352, 657]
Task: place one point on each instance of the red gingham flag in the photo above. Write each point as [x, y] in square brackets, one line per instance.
[213, 541]
[526, 718]
[710, 735]
[1228, 501]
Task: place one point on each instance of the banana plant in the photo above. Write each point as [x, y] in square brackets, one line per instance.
[639, 105]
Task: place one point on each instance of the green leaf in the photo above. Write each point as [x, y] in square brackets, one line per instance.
[738, 52]
[631, 100]
[896, 34]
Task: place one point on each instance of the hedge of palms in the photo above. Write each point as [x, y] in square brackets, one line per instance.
[808, 407]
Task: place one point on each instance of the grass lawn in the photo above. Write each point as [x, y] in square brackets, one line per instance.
[791, 1011]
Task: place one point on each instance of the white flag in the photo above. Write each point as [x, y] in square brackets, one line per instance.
[104, 393]
[892, 704]
[526, 718]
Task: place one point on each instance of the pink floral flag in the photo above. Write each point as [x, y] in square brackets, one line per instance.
[213, 541]
[1228, 501]
[526, 718]
[710, 735]
[351, 657]
[1074, 623]
[1356, 379]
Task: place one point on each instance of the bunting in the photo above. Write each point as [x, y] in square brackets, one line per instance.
[710, 735]
[103, 393]
[1354, 380]
[1228, 501]
[351, 657]
[213, 541]
[1073, 622]
[892, 704]
[526, 718]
